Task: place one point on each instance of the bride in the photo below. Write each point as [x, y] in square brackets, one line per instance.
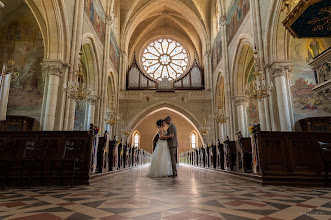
[161, 161]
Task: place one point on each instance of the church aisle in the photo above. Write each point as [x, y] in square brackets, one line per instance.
[194, 194]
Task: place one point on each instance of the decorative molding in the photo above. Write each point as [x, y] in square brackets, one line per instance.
[152, 96]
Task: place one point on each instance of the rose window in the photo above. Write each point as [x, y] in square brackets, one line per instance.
[165, 58]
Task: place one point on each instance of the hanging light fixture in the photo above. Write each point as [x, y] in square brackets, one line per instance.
[258, 88]
[205, 127]
[220, 116]
[78, 89]
[126, 129]
[111, 115]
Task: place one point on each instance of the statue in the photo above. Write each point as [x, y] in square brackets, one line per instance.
[325, 73]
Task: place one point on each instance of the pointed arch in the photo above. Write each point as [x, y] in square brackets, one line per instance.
[166, 105]
[93, 61]
[243, 49]
[52, 20]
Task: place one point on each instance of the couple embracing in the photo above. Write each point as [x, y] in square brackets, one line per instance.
[164, 156]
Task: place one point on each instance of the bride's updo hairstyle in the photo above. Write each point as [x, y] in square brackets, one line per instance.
[159, 123]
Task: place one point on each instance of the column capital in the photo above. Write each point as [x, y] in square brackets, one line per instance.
[223, 20]
[280, 69]
[109, 20]
[92, 99]
[53, 67]
[123, 53]
[207, 53]
[239, 100]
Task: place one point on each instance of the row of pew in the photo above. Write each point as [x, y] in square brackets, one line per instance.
[120, 156]
[50, 158]
[291, 158]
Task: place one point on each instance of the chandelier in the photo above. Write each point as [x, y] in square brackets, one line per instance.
[205, 127]
[220, 117]
[111, 118]
[111, 115]
[258, 88]
[78, 90]
[126, 129]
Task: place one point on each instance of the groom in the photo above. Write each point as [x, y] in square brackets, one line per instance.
[172, 143]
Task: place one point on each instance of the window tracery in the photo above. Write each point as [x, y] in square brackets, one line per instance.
[165, 58]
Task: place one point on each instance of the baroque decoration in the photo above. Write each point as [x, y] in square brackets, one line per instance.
[165, 58]
[309, 18]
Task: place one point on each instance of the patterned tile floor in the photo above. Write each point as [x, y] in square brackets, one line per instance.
[194, 194]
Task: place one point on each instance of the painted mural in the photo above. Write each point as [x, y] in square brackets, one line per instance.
[21, 41]
[235, 17]
[114, 53]
[79, 116]
[97, 16]
[252, 109]
[302, 80]
[217, 51]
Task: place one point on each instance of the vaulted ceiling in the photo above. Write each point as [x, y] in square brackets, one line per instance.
[187, 21]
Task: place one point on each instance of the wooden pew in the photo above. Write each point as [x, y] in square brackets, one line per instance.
[220, 155]
[229, 154]
[244, 153]
[55, 152]
[290, 157]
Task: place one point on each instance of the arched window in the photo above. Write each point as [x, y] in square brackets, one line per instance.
[193, 139]
[165, 58]
[136, 139]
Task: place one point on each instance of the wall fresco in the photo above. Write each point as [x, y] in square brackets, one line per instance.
[21, 41]
[114, 53]
[80, 116]
[235, 17]
[217, 51]
[97, 16]
[302, 79]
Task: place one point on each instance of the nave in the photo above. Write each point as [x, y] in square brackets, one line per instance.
[195, 194]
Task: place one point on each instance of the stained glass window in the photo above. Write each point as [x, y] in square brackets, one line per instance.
[165, 58]
[136, 139]
[193, 140]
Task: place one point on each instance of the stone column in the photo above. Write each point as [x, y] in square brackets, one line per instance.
[221, 131]
[208, 70]
[240, 103]
[52, 71]
[92, 101]
[271, 101]
[228, 107]
[262, 115]
[280, 74]
[123, 70]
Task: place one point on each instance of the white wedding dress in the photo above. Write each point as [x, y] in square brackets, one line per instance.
[161, 161]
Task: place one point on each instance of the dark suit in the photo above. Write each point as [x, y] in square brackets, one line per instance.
[173, 144]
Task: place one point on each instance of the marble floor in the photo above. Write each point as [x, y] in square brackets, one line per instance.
[194, 194]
